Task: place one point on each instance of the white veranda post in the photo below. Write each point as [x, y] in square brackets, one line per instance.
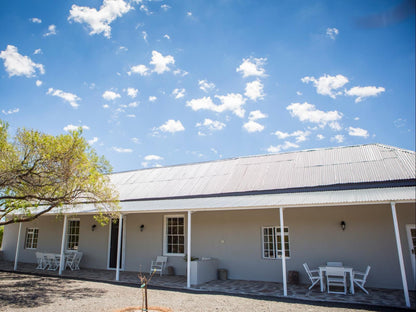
[120, 232]
[16, 257]
[188, 260]
[282, 237]
[400, 253]
[62, 263]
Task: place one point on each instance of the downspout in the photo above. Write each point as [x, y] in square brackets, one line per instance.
[400, 253]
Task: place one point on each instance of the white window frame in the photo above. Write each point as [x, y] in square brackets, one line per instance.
[34, 232]
[165, 236]
[276, 235]
[68, 234]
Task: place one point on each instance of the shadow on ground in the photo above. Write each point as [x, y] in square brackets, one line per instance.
[23, 291]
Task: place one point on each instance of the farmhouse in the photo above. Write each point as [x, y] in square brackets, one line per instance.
[355, 205]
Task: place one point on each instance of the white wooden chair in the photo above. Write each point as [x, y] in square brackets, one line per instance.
[336, 277]
[334, 264]
[312, 274]
[360, 278]
[70, 258]
[40, 258]
[52, 261]
[158, 265]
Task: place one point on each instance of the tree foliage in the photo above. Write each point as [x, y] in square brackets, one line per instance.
[40, 172]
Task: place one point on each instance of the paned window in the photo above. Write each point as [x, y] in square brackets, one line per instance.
[272, 242]
[31, 241]
[174, 240]
[72, 237]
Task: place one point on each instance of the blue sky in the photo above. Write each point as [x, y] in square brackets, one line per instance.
[156, 83]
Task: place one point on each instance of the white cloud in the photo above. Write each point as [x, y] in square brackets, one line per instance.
[19, 65]
[122, 49]
[232, 102]
[166, 36]
[144, 33]
[327, 85]
[300, 136]
[35, 20]
[339, 138]
[320, 137]
[99, 21]
[206, 86]
[51, 31]
[254, 90]
[122, 150]
[400, 122]
[142, 70]
[181, 72]
[37, 51]
[189, 13]
[210, 125]
[334, 125]
[255, 115]
[252, 67]
[161, 62]
[252, 126]
[74, 128]
[132, 92]
[93, 141]
[145, 9]
[308, 112]
[299, 93]
[152, 98]
[278, 148]
[110, 95]
[332, 33]
[39, 83]
[71, 98]
[152, 157]
[172, 126]
[178, 93]
[135, 140]
[106, 106]
[363, 92]
[133, 104]
[165, 7]
[358, 132]
[10, 111]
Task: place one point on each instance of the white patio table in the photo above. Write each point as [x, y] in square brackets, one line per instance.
[322, 270]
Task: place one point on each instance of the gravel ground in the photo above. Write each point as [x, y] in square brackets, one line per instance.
[21, 292]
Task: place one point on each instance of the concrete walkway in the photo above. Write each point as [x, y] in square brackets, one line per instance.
[376, 297]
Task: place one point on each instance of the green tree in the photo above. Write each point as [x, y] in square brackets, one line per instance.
[41, 172]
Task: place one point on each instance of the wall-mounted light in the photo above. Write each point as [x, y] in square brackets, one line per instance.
[343, 224]
[141, 228]
[93, 227]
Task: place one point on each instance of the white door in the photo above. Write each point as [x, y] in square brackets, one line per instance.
[411, 237]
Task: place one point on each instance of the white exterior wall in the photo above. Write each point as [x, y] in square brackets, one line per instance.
[235, 239]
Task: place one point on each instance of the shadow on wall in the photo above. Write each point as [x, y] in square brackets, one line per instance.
[22, 291]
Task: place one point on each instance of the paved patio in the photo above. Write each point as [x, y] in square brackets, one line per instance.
[376, 297]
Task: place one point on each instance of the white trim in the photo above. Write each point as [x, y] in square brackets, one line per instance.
[165, 217]
[16, 256]
[63, 244]
[33, 236]
[282, 237]
[189, 252]
[400, 253]
[412, 254]
[123, 245]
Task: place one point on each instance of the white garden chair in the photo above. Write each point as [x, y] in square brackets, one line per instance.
[360, 278]
[312, 274]
[70, 258]
[76, 260]
[52, 261]
[158, 265]
[40, 258]
[336, 277]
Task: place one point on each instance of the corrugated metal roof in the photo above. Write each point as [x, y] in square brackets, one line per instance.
[292, 200]
[370, 163]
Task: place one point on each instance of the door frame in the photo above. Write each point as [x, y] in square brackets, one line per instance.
[123, 245]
